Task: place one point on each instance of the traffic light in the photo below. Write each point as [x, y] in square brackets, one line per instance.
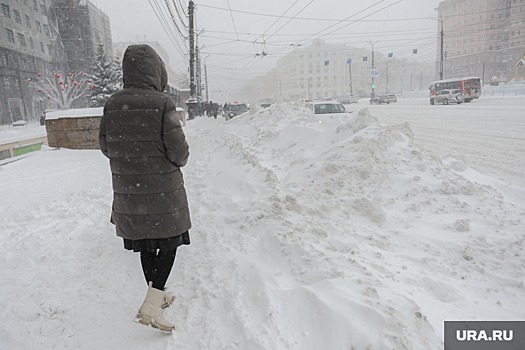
[373, 86]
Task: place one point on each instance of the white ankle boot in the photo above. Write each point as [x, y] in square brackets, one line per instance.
[150, 313]
[167, 300]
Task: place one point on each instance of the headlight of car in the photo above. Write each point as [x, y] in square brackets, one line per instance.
[232, 114]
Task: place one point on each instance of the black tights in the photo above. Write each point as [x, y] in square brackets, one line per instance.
[157, 266]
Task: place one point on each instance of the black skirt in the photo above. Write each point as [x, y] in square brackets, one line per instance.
[151, 245]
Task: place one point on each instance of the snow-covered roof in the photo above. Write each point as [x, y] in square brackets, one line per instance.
[75, 113]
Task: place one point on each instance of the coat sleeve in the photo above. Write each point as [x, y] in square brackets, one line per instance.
[102, 135]
[177, 149]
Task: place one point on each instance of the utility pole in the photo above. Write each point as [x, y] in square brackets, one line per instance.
[206, 79]
[442, 55]
[483, 73]
[349, 61]
[198, 79]
[191, 8]
[373, 93]
[386, 87]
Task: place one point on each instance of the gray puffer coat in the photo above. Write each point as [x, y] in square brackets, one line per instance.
[143, 139]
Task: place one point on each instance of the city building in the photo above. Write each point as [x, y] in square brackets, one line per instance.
[27, 43]
[82, 26]
[324, 70]
[484, 38]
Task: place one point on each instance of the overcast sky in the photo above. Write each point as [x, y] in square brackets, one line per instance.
[232, 41]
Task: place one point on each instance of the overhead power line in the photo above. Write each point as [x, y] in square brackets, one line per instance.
[174, 21]
[165, 25]
[233, 21]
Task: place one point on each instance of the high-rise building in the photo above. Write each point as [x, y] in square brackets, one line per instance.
[484, 38]
[27, 43]
[82, 26]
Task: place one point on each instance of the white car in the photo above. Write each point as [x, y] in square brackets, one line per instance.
[328, 107]
[447, 96]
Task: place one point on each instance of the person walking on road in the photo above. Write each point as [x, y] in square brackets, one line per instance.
[142, 136]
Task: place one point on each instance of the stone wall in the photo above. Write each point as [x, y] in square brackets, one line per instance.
[75, 133]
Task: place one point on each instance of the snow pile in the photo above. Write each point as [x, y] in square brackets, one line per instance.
[309, 232]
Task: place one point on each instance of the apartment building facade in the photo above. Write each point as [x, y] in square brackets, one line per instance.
[82, 26]
[39, 36]
[484, 38]
[26, 48]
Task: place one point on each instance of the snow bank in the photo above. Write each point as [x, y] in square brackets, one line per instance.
[332, 232]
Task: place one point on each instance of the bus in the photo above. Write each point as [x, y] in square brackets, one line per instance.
[470, 87]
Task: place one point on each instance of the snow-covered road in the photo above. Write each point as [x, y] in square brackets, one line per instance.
[489, 133]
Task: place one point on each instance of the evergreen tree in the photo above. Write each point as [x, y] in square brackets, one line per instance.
[117, 72]
[105, 79]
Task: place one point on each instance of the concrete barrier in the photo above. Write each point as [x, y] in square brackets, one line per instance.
[74, 128]
[13, 149]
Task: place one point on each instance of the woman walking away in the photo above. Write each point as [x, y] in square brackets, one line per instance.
[141, 135]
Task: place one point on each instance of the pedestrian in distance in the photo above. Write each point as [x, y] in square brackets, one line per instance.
[142, 136]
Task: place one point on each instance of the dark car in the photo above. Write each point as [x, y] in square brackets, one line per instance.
[327, 107]
[234, 109]
[381, 99]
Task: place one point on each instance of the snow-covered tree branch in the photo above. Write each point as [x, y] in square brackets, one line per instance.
[61, 89]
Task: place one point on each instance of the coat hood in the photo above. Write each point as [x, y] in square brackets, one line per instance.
[143, 68]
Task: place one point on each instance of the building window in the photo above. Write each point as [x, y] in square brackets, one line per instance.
[5, 11]
[22, 39]
[42, 9]
[18, 19]
[28, 22]
[42, 48]
[46, 30]
[7, 83]
[35, 6]
[31, 43]
[5, 59]
[10, 35]
[38, 27]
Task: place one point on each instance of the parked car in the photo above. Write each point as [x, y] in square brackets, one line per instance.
[392, 98]
[348, 99]
[344, 99]
[380, 99]
[327, 107]
[447, 96]
[234, 109]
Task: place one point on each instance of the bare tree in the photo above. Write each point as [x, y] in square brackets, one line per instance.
[61, 89]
